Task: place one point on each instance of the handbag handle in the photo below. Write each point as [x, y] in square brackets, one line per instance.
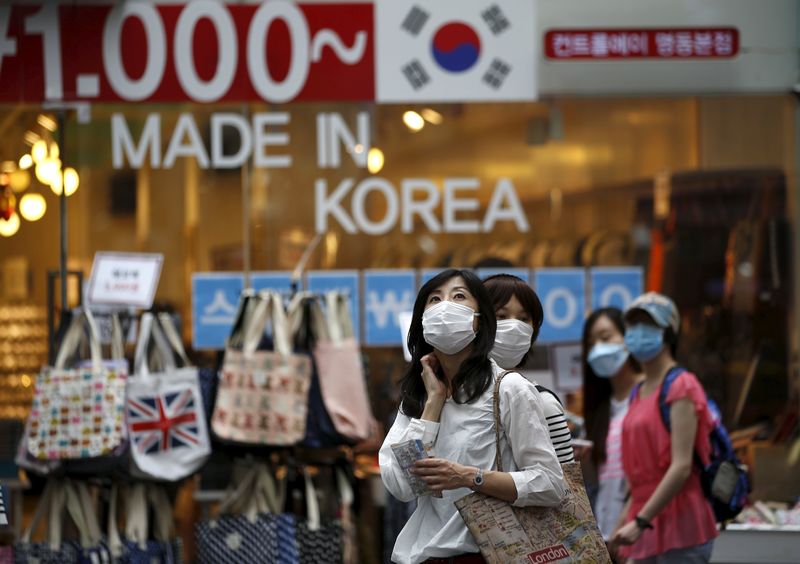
[339, 318]
[117, 339]
[79, 513]
[162, 510]
[72, 339]
[90, 515]
[44, 506]
[136, 515]
[150, 328]
[243, 314]
[312, 503]
[269, 308]
[497, 424]
[173, 337]
[245, 489]
[114, 539]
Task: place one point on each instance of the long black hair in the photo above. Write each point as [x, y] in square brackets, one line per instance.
[475, 374]
[596, 390]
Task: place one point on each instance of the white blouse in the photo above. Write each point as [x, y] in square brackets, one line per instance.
[465, 434]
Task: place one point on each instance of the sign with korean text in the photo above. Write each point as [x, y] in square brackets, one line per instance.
[215, 300]
[387, 294]
[278, 51]
[124, 279]
[679, 43]
[277, 281]
[561, 291]
[615, 287]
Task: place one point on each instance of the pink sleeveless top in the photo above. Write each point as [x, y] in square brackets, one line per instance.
[687, 520]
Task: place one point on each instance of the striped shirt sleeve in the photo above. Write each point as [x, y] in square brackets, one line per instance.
[560, 435]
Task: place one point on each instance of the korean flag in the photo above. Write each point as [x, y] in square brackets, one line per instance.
[455, 50]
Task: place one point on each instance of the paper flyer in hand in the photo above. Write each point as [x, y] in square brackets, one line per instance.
[406, 454]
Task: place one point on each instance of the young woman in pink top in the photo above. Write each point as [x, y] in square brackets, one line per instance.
[668, 518]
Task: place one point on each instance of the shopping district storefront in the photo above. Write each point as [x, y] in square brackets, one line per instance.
[597, 153]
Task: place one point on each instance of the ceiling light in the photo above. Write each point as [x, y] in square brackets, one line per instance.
[375, 160]
[31, 137]
[47, 122]
[47, 170]
[32, 206]
[71, 180]
[413, 120]
[39, 151]
[25, 161]
[358, 149]
[20, 180]
[54, 150]
[432, 116]
[9, 227]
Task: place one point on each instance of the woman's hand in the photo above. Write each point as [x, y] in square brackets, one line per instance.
[629, 533]
[441, 474]
[434, 387]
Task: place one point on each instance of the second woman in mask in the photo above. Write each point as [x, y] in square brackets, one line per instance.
[519, 318]
[447, 403]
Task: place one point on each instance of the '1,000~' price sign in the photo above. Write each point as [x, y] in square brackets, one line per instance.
[202, 51]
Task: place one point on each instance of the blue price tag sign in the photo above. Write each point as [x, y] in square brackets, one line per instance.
[561, 291]
[346, 281]
[278, 280]
[615, 287]
[387, 293]
[215, 298]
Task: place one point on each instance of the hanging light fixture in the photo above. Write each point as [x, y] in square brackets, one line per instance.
[32, 207]
[375, 160]
[10, 226]
[432, 116]
[71, 180]
[19, 180]
[25, 161]
[413, 120]
[39, 151]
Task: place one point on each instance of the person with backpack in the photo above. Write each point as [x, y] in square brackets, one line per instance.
[519, 318]
[668, 518]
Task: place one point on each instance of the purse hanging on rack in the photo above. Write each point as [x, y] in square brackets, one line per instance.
[262, 398]
[341, 372]
[165, 417]
[567, 532]
[78, 413]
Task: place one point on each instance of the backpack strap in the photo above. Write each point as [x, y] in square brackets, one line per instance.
[663, 407]
[634, 392]
[543, 390]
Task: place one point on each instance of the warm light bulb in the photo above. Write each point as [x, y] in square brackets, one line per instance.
[9, 227]
[71, 180]
[20, 180]
[39, 151]
[432, 116]
[55, 152]
[413, 120]
[25, 161]
[56, 183]
[47, 170]
[375, 160]
[32, 207]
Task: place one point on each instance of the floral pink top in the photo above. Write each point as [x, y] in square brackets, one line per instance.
[687, 520]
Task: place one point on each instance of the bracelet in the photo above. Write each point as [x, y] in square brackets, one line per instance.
[643, 523]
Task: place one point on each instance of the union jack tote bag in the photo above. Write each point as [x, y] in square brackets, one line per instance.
[165, 417]
[262, 396]
[78, 413]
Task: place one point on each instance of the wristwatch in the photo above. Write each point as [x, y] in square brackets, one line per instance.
[643, 523]
[477, 481]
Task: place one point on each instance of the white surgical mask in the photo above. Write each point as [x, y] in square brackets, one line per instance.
[607, 358]
[512, 341]
[447, 326]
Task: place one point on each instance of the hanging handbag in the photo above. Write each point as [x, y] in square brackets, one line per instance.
[165, 417]
[520, 535]
[308, 326]
[318, 541]
[341, 372]
[78, 413]
[262, 398]
[248, 527]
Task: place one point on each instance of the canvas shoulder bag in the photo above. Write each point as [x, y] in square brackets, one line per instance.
[520, 535]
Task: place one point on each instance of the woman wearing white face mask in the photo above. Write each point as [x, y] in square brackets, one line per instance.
[519, 318]
[447, 403]
[609, 374]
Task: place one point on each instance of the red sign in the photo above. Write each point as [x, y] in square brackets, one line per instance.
[683, 43]
[199, 51]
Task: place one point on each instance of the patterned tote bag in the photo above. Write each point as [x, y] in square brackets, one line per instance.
[262, 397]
[317, 541]
[78, 413]
[165, 417]
[341, 372]
[520, 535]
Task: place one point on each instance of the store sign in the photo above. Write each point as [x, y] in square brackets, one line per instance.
[680, 43]
[124, 279]
[278, 51]
[215, 299]
[561, 292]
[387, 294]
[615, 287]
[344, 281]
